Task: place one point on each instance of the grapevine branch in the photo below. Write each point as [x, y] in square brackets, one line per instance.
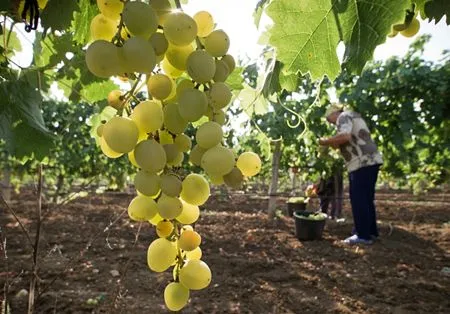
[35, 267]
[13, 212]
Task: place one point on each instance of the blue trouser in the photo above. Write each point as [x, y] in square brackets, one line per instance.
[362, 195]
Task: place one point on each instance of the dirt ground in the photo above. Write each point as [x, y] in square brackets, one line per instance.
[258, 265]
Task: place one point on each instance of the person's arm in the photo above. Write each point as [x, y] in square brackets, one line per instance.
[344, 125]
[336, 141]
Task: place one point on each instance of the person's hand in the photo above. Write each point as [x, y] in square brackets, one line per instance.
[335, 146]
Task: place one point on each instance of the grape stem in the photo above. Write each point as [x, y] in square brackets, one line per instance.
[179, 257]
[178, 4]
[134, 89]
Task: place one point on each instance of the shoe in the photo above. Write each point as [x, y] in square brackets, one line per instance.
[354, 239]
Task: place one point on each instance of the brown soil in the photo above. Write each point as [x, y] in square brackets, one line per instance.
[258, 265]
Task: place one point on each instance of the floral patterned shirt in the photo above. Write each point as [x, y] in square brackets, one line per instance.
[361, 151]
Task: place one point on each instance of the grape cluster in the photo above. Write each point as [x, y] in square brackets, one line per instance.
[185, 62]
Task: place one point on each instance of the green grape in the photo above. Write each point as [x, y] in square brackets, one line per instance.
[217, 43]
[173, 120]
[205, 23]
[159, 86]
[170, 70]
[196, 155]
[201, 66]
[189, 241]
[155, 220]
[176, 296]
[150, 156]
[184, 84]
[185, 228]
[162, 8]
[177, 56]
[138, 56]
[165, 137]
[103, 28]
[249, 164]
[177, 162]
[99, 130]
[142, 208]
[170, 185]
[107, 150]
[121, 134]
[132, 159]
[148, 184]
[159, 43]
[115, 99]
[195, 275]
[172, 98]
[412, 29]
[234, 178]
[161, 254]
[169, 207]
[180, 29]
[216, 116]
[148, 116]
[218, 161]
[229, 60]
[192, 104]
[171, 152]
[209, 134]
[140, 19]
[110, 8]
[142, 135]
[189, 214]
[102, 59]
[164, 228]
[216, 180]
[222, 71]
[183, 142]
[219, 95]
[195, 190]
[194, 254]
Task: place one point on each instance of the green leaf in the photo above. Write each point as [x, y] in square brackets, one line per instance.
[82, 21]
[289, 82]
[259, 11]
[272, 80]
[14, 44]
[235, 80]
[306, 33]
[98, 90]
[420, 6]
[23, 126]
[58, 15]
[252, 101]
[51, 50]
[436, 9]
[97, 119]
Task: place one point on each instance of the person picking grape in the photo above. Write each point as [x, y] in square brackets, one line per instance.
[363, 161]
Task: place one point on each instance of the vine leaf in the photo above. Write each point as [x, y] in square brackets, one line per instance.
[98, 90]
[58, 15]
[96, 120]
[21, 123]
[82, 21]
[436, 9]
[306, 33]
[14, 44]
[252, 101]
